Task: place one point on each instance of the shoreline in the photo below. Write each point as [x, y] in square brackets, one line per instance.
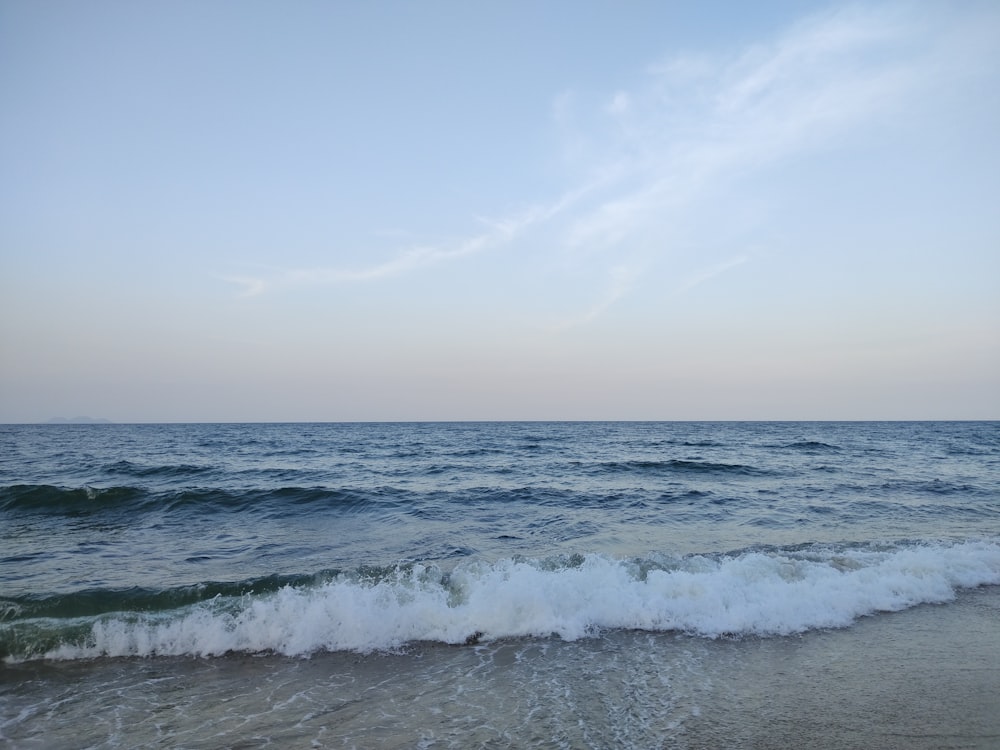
[919, 679]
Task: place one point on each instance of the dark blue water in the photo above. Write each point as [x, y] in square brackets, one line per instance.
[99, 520]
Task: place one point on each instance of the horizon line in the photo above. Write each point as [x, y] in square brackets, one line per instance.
[106, 423]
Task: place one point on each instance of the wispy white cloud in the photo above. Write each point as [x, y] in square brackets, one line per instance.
[618, 283]
[698, 122]
[656, 153]
[710, 272]
[619, 103]
[498, 232]
[251, 286]
[402, 262]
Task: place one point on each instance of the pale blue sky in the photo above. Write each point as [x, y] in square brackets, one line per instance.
[248, 211]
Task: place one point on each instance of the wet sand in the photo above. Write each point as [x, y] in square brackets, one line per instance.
[924, 678]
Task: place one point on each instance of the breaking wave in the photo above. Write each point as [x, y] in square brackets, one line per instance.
[758, 592]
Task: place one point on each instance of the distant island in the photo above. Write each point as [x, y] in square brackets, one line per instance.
[78, 420]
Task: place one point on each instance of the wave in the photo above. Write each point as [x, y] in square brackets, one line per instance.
[75, 501]
[47, 498]
[179, 471]
[812, 446]
[679, 466]
[291, 501]
[93, 602]
[761, 592]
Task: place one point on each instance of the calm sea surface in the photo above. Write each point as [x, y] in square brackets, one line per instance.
[571, 585]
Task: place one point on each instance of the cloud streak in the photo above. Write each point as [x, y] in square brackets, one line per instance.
[698, 123]
[710, 272]
[499, 232]
[658, 151]
[620, 280]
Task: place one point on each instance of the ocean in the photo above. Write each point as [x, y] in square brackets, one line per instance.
[501, 585]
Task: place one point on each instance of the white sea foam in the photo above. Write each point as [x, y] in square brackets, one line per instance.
[753, 593]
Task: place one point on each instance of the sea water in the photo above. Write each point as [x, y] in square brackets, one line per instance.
[572, 585]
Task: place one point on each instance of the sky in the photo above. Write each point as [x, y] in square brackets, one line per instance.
[321, 211]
